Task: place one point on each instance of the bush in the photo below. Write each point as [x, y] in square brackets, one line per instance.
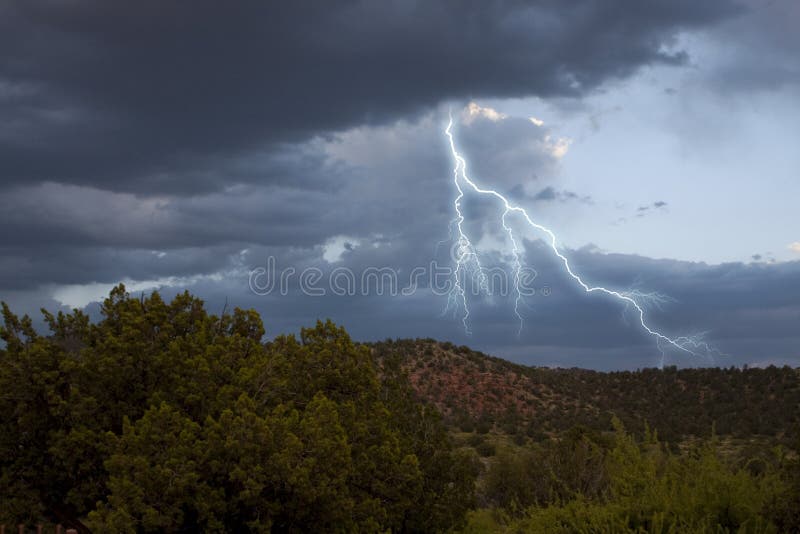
[483, 427]
[486, 449]
[475, 440]
[634, 487]
[163, 418]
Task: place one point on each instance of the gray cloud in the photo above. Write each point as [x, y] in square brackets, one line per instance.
[168, 98]
[641, 211]
[393, 181]
[549, 194]
[757, 50]
[190, 143]
[546, 194]
[211, 241]
[67, 234]
[745, 309]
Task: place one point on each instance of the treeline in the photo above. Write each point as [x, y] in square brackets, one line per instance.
[541, 402]
[164, 418]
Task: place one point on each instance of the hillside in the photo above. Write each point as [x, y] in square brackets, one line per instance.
[161, 417]
[479, 392]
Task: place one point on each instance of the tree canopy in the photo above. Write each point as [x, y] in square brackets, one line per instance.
[163, 417]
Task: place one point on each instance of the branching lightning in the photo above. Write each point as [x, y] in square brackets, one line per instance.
[467, 261]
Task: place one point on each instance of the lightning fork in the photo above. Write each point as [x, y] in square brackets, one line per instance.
[466, 255]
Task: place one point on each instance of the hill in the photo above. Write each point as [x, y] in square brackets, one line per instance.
[161, 417]
[475, 391]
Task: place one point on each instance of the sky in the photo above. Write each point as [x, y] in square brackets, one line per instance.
[201, 147]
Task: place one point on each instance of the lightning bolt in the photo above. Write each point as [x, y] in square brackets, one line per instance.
[467, 261]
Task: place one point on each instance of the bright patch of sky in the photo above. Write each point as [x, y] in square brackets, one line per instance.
[676, 165]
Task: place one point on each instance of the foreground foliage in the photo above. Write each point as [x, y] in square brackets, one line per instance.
[162, 417]
[591, 483]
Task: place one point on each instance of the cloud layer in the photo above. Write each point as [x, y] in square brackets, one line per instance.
[181, 145]
[173, 97]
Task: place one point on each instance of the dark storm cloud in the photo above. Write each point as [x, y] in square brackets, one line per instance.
[749, 311]
[70, 215]
[365, 176]
[191, 141]
[164, 97]
[66, 234]
[24, 269]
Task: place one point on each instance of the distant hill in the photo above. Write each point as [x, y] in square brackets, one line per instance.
[475, 391]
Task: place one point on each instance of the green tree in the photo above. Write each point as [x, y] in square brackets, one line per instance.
[162, 417]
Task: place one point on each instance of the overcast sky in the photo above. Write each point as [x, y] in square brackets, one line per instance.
[181, 146]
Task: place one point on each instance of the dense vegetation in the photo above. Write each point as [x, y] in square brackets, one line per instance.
[163, 418]
[589, 482]
[476, 391]
[705, 450]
